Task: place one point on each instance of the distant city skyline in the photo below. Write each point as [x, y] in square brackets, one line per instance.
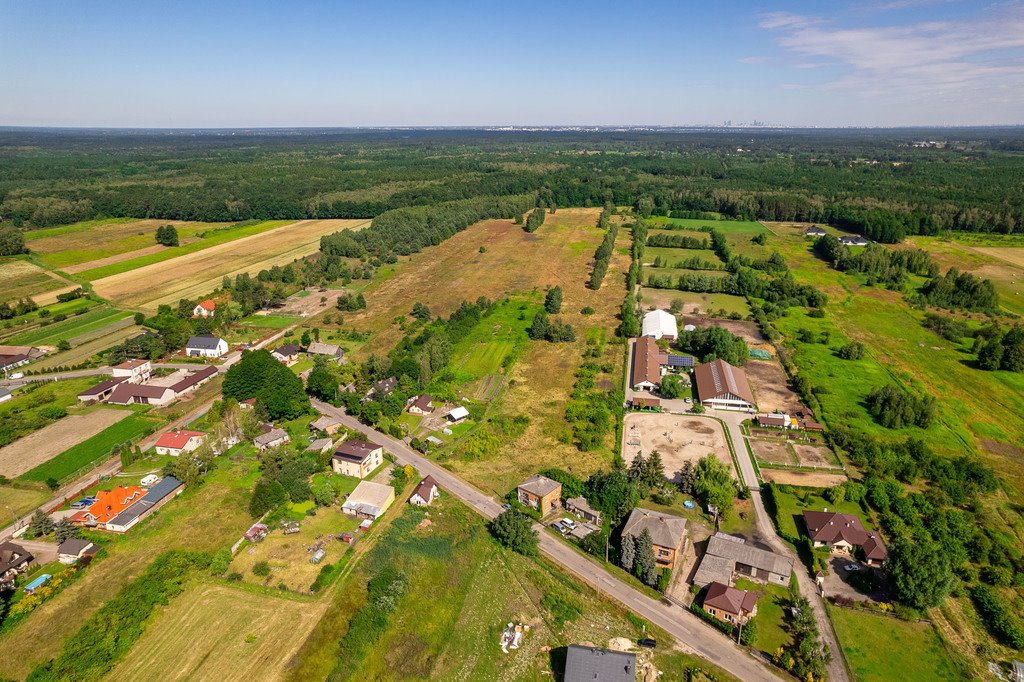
[867, 63]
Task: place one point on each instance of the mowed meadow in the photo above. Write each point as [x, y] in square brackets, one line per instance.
[196, 274]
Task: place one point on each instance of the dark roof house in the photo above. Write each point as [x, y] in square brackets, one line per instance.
[590, 664]
[834, 529]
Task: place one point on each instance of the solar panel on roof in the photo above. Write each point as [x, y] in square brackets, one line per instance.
[680, 361]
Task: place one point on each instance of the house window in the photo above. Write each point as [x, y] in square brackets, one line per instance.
[663, 552]
[728, 617]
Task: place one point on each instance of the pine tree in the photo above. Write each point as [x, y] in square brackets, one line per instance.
[655, 469]
[638, 469]
[646, 569]
[627, 553]
[65, 530]
[539, 329]
[553, 300]
[40, 524]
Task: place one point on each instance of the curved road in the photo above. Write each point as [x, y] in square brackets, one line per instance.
[691, 634]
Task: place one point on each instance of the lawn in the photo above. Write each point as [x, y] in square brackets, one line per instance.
[672, 255]
[78, 325]
[496, 339]
[793, 502]
[876, 646]
[36, 405]
[91, 450]
[19, 499]
[771, 617]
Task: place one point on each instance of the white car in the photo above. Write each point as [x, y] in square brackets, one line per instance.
[18, 375]
[569, 523]
[852, 567]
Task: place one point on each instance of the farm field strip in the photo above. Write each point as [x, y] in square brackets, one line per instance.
[38, 447]
[96, 318]
[85, 452]
[198, 273]
[86, 350]
[22, 279]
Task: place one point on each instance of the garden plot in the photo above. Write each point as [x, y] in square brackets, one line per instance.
[677, 438]
[43, 445]
[815, 455]
[772, 451]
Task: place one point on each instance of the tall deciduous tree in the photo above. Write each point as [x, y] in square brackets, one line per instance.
[515, 530]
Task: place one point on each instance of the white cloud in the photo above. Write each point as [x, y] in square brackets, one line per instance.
[754, 59]
[939, 61]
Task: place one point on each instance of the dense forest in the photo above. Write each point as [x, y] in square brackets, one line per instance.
[881, 183]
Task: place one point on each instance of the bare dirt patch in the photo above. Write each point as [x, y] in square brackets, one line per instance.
[748, 331]
[315, 302]
[677, 438]
[808, 479]
[814, 455]
[43, 445]
[196, 274]
[772, 451]
[219, 632]
[771, 387]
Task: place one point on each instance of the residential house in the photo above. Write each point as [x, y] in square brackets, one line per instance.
[382, 388]
[163, 492]
[581, 508]
[134, 371]
[726, 555]
[108, 504]
[326, 424]
[660, 324]
[14, 561]
[425, 493]
[729, 604]
[175, 443]
[591, 664]
[668, 533]
[100, 391]
[357, 458]
[127, 393]
[205, 309]
[722, 386]
[369, 500]
[645, 371]
[271, 439]
[845, 533]
[854, 241]
[540, 493]
[194, 380]
[815, 231]
[421, 405]
[330, 351]
[12, 357]
[287, 354]
[247, 404]
[205, 346]
[73, 549]
[456, 415]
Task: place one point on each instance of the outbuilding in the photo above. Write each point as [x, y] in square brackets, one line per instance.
[369, 500]
[660, 324]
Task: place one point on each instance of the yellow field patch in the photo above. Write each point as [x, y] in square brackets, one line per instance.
[215, 632]
[199, 273]
[43, 445]
[22, 279]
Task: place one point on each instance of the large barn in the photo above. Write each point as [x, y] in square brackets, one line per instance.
[722, 386]
[660, 324]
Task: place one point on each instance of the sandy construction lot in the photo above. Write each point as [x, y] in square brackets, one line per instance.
[199, 273]
[807, 479]
[814, 455]
[678, 438]
[29, 452]
[772, 451]
[771, 388]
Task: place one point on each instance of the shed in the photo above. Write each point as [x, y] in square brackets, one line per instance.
[457, 414]
[369, 500]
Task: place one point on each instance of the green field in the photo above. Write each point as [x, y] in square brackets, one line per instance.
[771, 617]
[77, 326]
[672, 255]
[496, 337]
[73, 227]
[213, 238]
[90, 450]
[748, 227]
[876, 646]
[271, 321]
[463, 590]
[18, 500]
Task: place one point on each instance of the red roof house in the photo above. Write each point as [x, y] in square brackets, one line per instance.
[108, 504]
[177, 442]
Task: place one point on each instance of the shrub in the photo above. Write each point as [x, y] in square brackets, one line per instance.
[262, 569]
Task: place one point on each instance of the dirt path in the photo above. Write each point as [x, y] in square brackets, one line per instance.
[36, 448]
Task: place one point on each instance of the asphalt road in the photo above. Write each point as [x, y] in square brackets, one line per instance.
[690, 633]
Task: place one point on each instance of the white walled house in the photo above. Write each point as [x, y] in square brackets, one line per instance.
[206, 347]
[134, 371]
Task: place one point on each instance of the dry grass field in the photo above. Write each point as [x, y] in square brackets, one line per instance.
[22, 279]
[40, 446]
[807, 479]
[17, 500]
[814, 455]
[199, 273]
[216, 632]
[677, 438]
[73, 248]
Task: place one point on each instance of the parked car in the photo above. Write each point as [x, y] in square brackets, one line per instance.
[647, 642]
[852, 567]
[506, 506]
[569, 523]
[557, 525]
[18, 375]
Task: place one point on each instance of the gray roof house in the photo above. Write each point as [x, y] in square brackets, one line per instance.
[330, 350]
[668, 533]
[590, 664]
[271, 438]
[159, 494]
[728, 554]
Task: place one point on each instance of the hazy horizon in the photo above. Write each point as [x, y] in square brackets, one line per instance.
[259, 65]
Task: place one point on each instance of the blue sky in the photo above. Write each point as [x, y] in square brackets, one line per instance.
[378, 62]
